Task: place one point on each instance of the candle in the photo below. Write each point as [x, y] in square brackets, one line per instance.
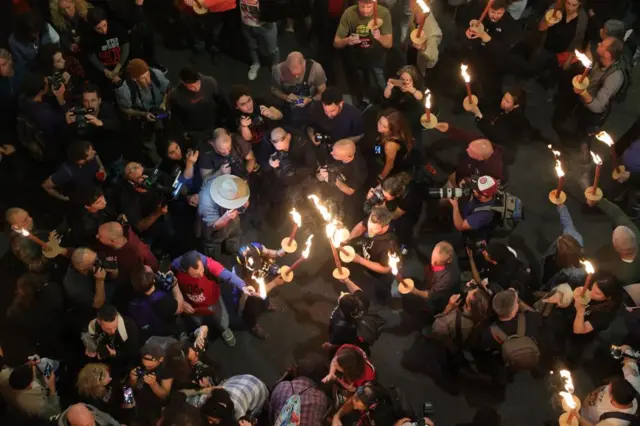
[604, 137]
[393, 263]
[587, 281]
[558, 5]
[598, 161]
[425, 10]
[560, 173]
[485, 11]
[305, 254]
[585, 62]
[567, 395]
[427, 104]
[331, 229]
[297, 220]
[262, 288]
[467, 81]
[375, 12]
[32, 237]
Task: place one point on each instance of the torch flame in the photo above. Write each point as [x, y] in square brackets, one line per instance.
[604, 137]
[596, 158]
[262, 288]
[321, 208]
[307, 248]
[568, 399]
[568, 381]
[588, 267]
[23, 232]
[556, 153]
[427, 99]
[297, 219]
[465, 74]
[393, 263]
[559, 170]
[423, 6]
[583, 58]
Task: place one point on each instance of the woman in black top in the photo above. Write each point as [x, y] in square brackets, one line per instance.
[393, 146]
[406, 94]
[96, 387]
[69, 17]
[60, 68]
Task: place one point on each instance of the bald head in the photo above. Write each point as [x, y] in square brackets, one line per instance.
[296, 64]
[280, 139]
[83, 259]
[11, 214]
[344, 150]
[624, 242]
[79, 415]
[111, 234]
[18, 219]
[480, 149]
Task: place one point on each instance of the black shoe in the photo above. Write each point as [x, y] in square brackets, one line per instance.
[257, 331]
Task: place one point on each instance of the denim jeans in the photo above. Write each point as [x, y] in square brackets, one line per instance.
[219, 319]
[268, 36]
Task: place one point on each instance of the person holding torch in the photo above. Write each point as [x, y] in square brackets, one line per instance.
[425, 38]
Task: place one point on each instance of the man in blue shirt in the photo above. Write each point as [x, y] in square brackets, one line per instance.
[472, 220]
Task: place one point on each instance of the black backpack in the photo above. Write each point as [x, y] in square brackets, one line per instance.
[274, 10]
[633, 419]
[32, 138]
[509, 209]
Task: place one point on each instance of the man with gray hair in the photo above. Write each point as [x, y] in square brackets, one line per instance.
[620, 257]
[298, 82]
[85, 283]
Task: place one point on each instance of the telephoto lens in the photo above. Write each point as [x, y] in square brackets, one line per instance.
[618, 352]
[448, 192]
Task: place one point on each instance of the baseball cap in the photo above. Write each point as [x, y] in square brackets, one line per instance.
[152, 350]
[485, 185]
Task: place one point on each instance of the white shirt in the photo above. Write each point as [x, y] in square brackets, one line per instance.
[598, 402]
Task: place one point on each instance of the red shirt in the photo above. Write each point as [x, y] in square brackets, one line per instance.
[201, 292]
[134, 252]
[369, 371]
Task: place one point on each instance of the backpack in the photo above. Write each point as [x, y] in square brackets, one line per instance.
[274, 10]
[633, 419]
[141, 311]
[290, 414]
[134, 90]
[32, 138]
[370, 328]
[509, 208]
[519, 352]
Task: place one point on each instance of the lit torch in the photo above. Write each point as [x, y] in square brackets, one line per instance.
[289, 244]
[262, 288]
[425, 10]
[427, 104]
[587, 281]
[604, 137]
[569, 402]
[596, 159]
[467, 81]
[586, 62]
[404, 285]
[286, 272]
[556, 195]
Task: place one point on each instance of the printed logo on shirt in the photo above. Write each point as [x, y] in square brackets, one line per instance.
[366, 39]
[110, 52]
[195, 294]
[250, 11]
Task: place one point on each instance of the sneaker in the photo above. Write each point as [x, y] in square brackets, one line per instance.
[259, 332]
[253, 71]
[229, 338]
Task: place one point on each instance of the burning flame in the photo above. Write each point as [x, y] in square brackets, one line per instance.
[321, 208]
[465, 74]
[604, 137]
[423, 6]
[556, 153]
[297, 219]
[568, 399]
[427, 99]
[583, 58]
[568, 381]
[262, 288]
[250, 262]
[307, 248]
[559, 170]
[334, 234]
[393, 263]
[588, 267]
[23, 232]
[596, 158]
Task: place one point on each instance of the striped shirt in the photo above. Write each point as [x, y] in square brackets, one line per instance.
[247, 393]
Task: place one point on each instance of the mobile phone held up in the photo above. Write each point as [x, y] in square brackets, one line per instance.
[48, 369]
[128, 395]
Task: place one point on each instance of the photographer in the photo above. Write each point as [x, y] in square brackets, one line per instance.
[331, 120]
[254, 259]
[29, 392]
[125, 249]
[86, 284]
[61, 69]
[87, 214]
[222, 200]
[403, 200]
[155, 309]
[343, 175]
[177, 157]
[192, 367]
[151, 383]
[145, 205]
[472, 220]
[252, 117]
[112, 338]
[226, 154]
[143, 98]
[96, 387]
[97, 122]
[84, 170]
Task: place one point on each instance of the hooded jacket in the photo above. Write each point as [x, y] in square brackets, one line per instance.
[101, 418]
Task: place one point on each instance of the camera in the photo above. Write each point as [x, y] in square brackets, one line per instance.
[321, 138]
[376, 199]
[152, 181]
[106, 263]
[165, 281]
[286, 169]
[449, 192]
[102, 341]
[160, 114]
[80, 115]
[56, 81]
[617, 352]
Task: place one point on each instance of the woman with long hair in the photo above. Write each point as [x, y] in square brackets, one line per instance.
[393, 145]
[30, 34]
[69, 17]
[60, 68]
[96, 386]
[405, 93]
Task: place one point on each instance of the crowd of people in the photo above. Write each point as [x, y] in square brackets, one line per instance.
[154, 184]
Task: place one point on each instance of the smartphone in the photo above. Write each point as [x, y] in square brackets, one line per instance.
[48, 369]
[427, 409]
[162, 115]
[128, 395]
[396, 82]
[299, 101]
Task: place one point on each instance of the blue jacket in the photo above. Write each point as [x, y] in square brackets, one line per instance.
[26, 53]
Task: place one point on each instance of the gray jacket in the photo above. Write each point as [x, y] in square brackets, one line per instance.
[101, 418]
[37, 401]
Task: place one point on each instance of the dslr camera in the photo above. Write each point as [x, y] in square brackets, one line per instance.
[153, 181]
[376, 200]
[97, 343]
[286, 168]
[617, 352]
[55, 81]
[322, 138]
[449, 192]
[106, 263]
[165, 281]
